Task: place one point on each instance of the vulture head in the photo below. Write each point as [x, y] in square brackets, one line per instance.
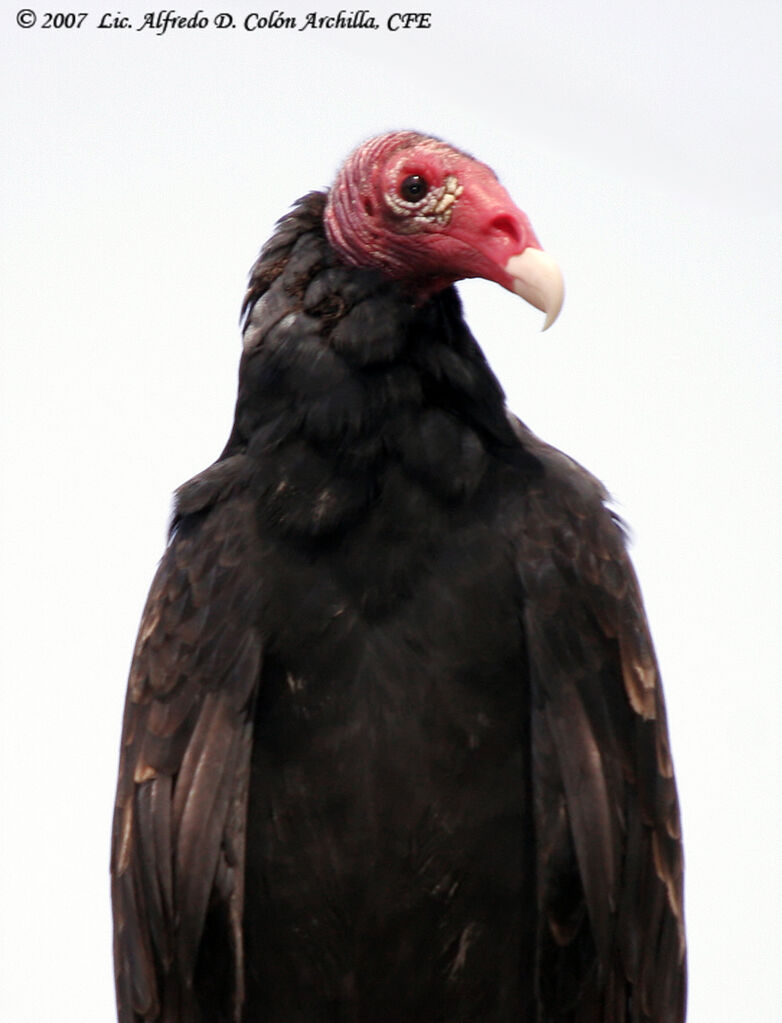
[427, 215]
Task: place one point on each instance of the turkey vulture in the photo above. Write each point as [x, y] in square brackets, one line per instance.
[394, 746]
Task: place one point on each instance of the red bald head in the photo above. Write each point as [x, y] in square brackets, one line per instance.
[427, 215]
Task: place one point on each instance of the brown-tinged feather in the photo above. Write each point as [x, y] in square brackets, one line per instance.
[186, 741]
[602, 744]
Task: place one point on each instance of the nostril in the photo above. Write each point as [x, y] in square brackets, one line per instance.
[503, 224]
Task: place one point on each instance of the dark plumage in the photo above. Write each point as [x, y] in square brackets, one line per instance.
[394, 744]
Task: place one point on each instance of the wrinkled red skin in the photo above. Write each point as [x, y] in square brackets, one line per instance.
[484, 229]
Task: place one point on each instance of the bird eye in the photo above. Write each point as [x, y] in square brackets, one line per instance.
[413, 188]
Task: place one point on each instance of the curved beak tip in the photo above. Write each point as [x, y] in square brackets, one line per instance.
[538, 280]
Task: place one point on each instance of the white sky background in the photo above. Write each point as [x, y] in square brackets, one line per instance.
[140, 177]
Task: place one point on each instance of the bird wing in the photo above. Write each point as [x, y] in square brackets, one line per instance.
[609, 859]
[178, 836]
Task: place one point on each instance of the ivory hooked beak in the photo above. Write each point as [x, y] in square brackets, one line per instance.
[538, 280]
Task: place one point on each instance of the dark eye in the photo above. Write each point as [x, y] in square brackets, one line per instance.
[413, 188]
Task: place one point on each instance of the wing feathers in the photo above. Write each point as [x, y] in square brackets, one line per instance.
[201, 796]
[154, 861]
[606, 808]
[591, 815]
[178, 843]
